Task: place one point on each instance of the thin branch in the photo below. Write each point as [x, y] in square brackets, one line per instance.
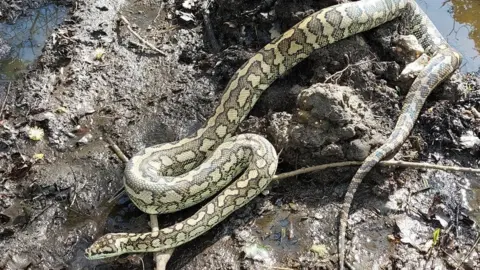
[162, 258]
[116, 150]
[394, 163]
[114, 147]
[158, 12]
[127, 23]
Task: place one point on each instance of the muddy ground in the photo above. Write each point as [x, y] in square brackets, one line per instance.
[96, 80]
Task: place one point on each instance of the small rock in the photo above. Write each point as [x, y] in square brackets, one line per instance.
[188, 4]
[293, 206]
[469, 140]
[257, 252]
[85, 139]
[318, 216]
[346, 133]
[188, 17]
[358, 150]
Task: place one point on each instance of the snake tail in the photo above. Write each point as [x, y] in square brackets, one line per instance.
[443, 64]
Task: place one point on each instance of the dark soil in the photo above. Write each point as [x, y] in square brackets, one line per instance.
[96, 80]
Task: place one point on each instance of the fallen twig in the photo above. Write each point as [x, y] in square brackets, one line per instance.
[114, 147]
[127, 23]
[158, 12]
[162, 258]
[395, 163]
[403, 164]
[116, 150]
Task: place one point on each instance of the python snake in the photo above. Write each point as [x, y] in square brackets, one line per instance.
[173, 176]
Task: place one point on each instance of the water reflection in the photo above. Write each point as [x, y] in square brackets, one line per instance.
[459, 23]
[468, 12]
[26, 37]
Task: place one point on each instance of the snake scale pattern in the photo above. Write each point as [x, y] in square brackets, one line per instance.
[173, 176]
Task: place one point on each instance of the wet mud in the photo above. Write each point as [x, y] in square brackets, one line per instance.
[95, 80]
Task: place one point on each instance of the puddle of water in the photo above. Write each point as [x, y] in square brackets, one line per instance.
[26, 37]
[279, 230]
[459, 23]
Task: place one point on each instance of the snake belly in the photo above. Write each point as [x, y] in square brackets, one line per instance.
[173, 176]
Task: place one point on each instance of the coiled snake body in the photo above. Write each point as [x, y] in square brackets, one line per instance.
[173, 176]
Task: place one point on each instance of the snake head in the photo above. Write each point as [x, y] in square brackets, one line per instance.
[106, 246]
